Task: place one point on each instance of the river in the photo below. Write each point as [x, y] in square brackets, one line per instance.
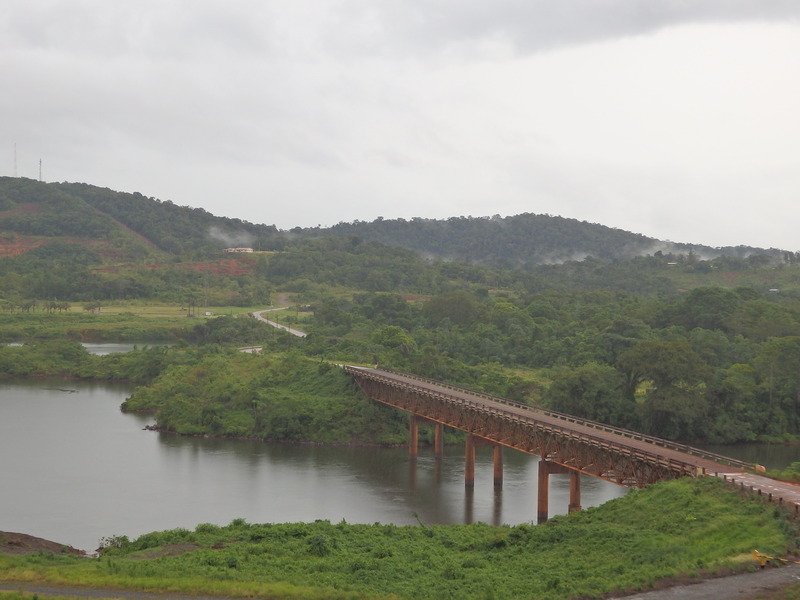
[75, 469]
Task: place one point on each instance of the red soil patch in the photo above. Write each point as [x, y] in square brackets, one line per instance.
[414, 297]
[231, 268]
[23, 208]
[16, 246]
[21, 543]
[222, 267]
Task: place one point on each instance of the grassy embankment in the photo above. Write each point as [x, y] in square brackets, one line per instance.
[682, 528]
[116, 322]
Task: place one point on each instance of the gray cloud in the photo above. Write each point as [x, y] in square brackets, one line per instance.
[649, 116]
[420, 26]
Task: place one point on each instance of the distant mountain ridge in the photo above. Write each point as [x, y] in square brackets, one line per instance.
[523, 240]
[119, 225]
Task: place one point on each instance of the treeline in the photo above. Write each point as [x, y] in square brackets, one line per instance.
[96, 244]
[520, 241]
[72, 272]
[712, 365]
[68, 358]
[284, 397]
[715, 365]
[211, 389]
[613, 339]
[87, 211]
[178, 230]
[37, 209]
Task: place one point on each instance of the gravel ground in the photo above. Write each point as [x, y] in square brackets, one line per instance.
[746, 586]
[96, 594]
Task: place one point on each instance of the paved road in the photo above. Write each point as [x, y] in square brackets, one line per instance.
[747, 586]
[259, 315]
[778, 491]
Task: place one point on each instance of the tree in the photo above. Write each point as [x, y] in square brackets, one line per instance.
[393, 336]
[457, 307]
[778, 367]
[592, 391]
[673, 403]
[708, 307]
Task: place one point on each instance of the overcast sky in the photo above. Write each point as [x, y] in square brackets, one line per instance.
[676, 119]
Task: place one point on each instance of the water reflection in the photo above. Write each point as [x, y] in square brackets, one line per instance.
[76, 469]
[302, 482]
[104, 348]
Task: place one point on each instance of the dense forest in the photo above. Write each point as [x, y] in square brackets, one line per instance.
[520, 241]
[677, 341]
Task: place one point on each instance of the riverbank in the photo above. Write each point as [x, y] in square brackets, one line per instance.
[680, 530]
[743, 582]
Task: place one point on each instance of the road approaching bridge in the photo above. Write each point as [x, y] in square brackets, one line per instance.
[564, 443]
[259, 315]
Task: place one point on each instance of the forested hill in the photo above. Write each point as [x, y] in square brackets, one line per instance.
[132, 226]
[520, 241]
[127, 226]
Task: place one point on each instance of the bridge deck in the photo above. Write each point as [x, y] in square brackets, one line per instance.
[632, 443]
[576, 427]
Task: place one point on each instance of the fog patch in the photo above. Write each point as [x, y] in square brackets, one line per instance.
[236, 239]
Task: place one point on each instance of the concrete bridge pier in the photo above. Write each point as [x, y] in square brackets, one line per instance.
[469, 460]
[547, 468]
[414, 422]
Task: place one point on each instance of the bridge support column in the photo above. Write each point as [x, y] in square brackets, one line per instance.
[574, 491]
[413, 437]
[498, 466]
[438, 440]
[547, 468]
[469, 461]
[414, 421]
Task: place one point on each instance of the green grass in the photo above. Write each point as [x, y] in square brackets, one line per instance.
[676, 528]
[128, 321]
[784, 279]
[32, 596]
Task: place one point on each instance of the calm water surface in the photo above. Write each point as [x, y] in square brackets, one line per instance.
[103, 348]
[75, 469]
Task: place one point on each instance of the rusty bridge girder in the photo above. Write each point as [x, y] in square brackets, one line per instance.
[614, 461]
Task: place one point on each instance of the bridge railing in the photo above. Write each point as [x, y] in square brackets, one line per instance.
[470, 399]
[660, 442]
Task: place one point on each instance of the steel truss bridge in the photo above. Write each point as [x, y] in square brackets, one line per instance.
[564, 443]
